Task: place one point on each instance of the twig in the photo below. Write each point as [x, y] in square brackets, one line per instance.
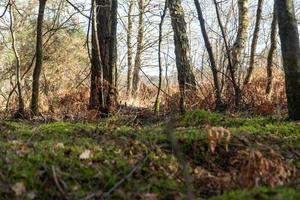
[178, 154]
[93, 195]
[135, 168]
[57, 183]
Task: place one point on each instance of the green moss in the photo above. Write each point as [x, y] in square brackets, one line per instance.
[200, 117]
[28, 154]
[261, 193]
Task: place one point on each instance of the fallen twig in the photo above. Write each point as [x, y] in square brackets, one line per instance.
[57, 182]
[135, 168]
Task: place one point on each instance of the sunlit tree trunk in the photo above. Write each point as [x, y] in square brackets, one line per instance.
[272, 52]
[254, 41]
[240, 43]
[39, 59]
[139, 48]
[107, 29]
[129, 47]
[289, 36]
[186, 78]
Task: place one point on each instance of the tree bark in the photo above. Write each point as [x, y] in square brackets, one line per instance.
[289, 36]
[39, 59]
[254, 41]
[213, 64]
[240, 43]
[112, 96]
[186, 78]
[139, 48]
[129, 47]
[106, 32]
[271, 52]
[96, 63]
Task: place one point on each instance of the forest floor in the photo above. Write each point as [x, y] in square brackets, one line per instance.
[130, 157]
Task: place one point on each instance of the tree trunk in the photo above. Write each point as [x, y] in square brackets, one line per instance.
[271, 52]
[104, 56]
[230, 64]
[186, 78]
[21, 107]
[162, 18]
[129, 47]
[240, 43]
[254, 42]
[39, 59]
[96, 64]
[289, 36]
[211, 57]
[113, 56]
[139, 48]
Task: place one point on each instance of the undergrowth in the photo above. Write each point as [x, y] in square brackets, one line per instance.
[46, 158]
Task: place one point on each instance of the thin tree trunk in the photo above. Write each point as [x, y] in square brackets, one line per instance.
[289, 36]
[157, 100]
[211, 57]
[140, 41]
[129, 47]
[271, 52]
[230, 64]
[240, 42]
[21, 107]
[254, 41]
[39, 59]
[186, 78]
[112, 95]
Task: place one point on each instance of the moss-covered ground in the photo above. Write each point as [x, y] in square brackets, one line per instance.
[76, 160]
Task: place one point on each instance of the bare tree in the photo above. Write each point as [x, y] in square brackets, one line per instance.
[254, 41]
[272, 50]
[162, 18]
[21, 107]
[39, 59]
[213, 65]
[129, 47]
[240, 42]
[139, 48]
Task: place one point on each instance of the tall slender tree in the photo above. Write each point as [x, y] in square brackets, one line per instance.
[213, 65]
[160, 34]
[289, 36]
[254, 41]
[273, 38]
[129, 47]
[139, 48]
[21, 107]
[240, 43]
[39, 59]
